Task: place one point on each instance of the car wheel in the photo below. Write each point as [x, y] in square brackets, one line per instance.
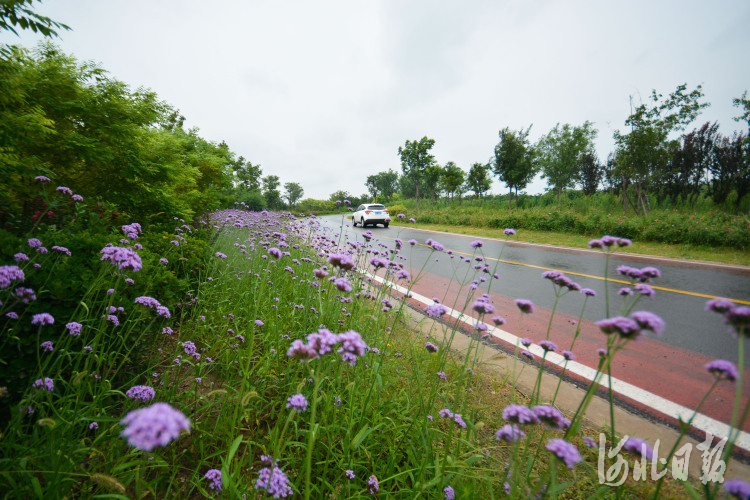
[385, 225]
[362, 221]
[354, 223]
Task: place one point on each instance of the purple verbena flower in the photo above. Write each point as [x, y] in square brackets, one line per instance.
[721, 306]
[141, 393]
[526, 306]
[45, 383]
[649, 321]
[639, 447]
[152, 426]
[297, 402]
[737, 488]
[723, 369]
[520, 414]
[565, 451]
[509, 232]
[47, 346]
[349, 473]
[372, 482]
[214, 475]
[122, 258]
[509, 433]
[548, 345]
[430, 347]
[625, 327]
[42, 319]
[449, 493]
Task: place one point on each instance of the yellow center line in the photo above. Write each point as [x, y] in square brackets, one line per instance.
[664, 289]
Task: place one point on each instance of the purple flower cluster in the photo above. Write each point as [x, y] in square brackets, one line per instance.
[436, 310]
[272, 479]
[520, 414]
[341, 260]
[214, 475]
[152, 426]
[45, 383]
[10, 273]
[321, 343]
[723, 369]
[123, 258]
[372, 482]
[633, 326]
[297, 402]
[738, 489]
[559, 279]
[526, 306]
[430, 347]
[142, 393]
[605, 242]
[551, 416]
[565, 451]
[42, 319]
[434, 245]
[483, 306]
[639, 447]
[509, 433]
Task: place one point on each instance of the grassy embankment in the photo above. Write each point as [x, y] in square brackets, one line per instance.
[415, 421]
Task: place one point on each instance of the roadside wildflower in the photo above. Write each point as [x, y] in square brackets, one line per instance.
[527, 354]
[93, 426]
[498, 320]
[509, 232]
[61, 250]
[737, 488]
[64, 190]
[649, 321]
[639, 447]
[722, 369]
[147, 301]
[482, 306]
[34, 242]
[739, 318]
[569, 355]
[449, 493]
[520, 414]
[590, 442]
[20, 257]
[551, 416]
[509, 433]
[42, 319]
[588, 292]
[47, 346]
[565, 451]
[442, 376]
[297, 402]
[435, 310]
[152, 426]
[621, 325]
[123, 258]
[526, 306]
[259, 322]
[45, 383]
[142, 393]
[430, 347]
[342, 284]
[352, 346]
[11, 315]
[412, 220]
[350, 474]
[341, 260]
[74, 328]
[525, 342]
[42, 178]
[372, 482]
[548, 345]
[273, 479]
[214, 475]
[274, 252]
[721, 306]
[77, 197]
[220, 255]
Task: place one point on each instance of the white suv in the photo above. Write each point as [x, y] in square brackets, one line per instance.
[371, 213]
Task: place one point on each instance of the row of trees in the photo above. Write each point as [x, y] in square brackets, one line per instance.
[74, 123]
[654, 156]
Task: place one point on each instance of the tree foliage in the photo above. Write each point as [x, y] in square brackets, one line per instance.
[560, 151]
[84, 129]
[293, 193]
[478, 179]
[18, 13]
[644, 153]
[271, 192]
[590, 173]
[382, 183]
[513, 162]
[415, 160]
[452, 179]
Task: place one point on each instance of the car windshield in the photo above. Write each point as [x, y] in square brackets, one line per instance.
[376, 207]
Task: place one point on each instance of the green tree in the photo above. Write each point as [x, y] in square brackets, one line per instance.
[415, 160]
[590, 173]
[559, 153]
[453, 179]
[514, 160]
[16, 13]
[644, 154]
[372, 185]
[384, 183]
[247, 175]
[293, 193]
[271, 192]
[479, 179]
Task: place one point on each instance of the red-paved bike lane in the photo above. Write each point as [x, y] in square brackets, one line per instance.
[668, 371]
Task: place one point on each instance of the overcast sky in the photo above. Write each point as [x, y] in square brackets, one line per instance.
[324, 92]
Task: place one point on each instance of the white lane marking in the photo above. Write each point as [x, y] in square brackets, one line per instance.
[654, 401]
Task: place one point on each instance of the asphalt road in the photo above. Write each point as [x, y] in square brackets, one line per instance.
[671, 366]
